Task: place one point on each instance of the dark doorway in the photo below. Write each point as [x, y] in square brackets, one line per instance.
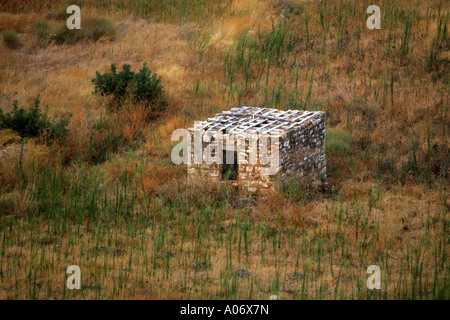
[229, 170]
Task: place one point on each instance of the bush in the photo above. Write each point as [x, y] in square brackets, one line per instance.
[11, 39]
[42, 29]
[33, 123]
[95, 28]
[142, 87]
[338, 141]
[64, 35]
[91, 29]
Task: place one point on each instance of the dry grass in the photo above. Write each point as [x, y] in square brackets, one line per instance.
[17, 22]
[111, 185]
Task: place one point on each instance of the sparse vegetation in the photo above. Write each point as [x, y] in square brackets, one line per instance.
[108, 198]
[289, 8]
[42, 29]
[293, 188]
[439, 41]
[95, 28]
[92, 29]
[338, 141]
[32, 123]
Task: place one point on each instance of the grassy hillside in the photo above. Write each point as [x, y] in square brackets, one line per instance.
[105, 196]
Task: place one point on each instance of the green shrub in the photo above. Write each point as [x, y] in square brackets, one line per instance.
[33, 123]
[64, 35]
[142, 87]
[42, 29]
[113, 83]
[11, 39]
[338, 141]
[91, 29]
[94, 28]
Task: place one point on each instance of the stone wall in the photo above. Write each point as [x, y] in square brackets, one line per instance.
[203, 170]
[301, 151]
[252, 177]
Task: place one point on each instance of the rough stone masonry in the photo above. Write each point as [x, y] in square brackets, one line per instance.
[298, 137]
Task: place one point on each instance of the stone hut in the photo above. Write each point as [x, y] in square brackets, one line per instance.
[253, 148]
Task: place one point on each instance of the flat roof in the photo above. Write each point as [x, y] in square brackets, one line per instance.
[257, 120]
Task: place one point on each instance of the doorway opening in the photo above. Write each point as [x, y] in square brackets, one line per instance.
[230, 171]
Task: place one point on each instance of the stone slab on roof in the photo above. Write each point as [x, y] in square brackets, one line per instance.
[256, 120]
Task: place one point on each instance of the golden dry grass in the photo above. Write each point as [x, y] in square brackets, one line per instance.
[385, 208]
